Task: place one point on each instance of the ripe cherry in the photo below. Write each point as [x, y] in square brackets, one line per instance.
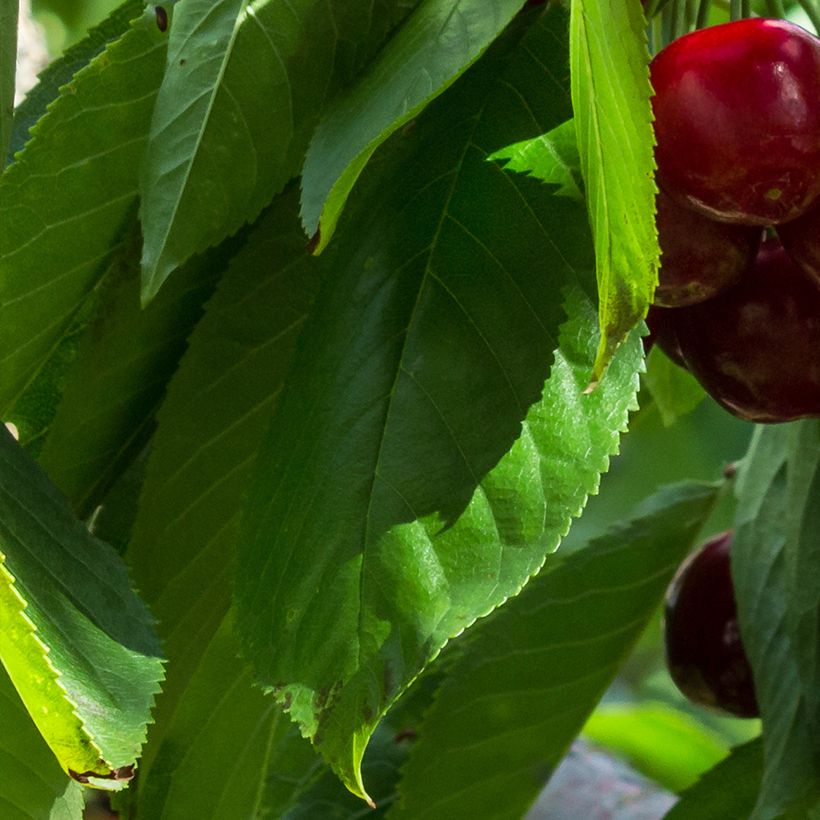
[704, 652]
[660, 322]
[699, 256]
[801, 238]
[755, 347]
[737, 120]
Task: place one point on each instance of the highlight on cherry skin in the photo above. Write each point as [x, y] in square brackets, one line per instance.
[704, 652]
[737, 120]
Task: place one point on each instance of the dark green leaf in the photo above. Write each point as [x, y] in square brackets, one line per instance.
[728, 790]
[32, 785]
[613, 120]
[415, 373]
[76, 641]
[531, 674]
[775, 608]
[68, 197]
[436, 44]
[8, 70]
[244, 87]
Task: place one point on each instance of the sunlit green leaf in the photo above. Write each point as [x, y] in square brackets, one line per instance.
[610, 96]
[76, 641]
[530, 675]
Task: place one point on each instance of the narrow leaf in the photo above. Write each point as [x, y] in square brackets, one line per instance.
[32, 785]
[9, 10]
[243, 90]
[610, 97]
[432, 49]
[67, 197]
[76, 641]
[770, 607]
[530, 675]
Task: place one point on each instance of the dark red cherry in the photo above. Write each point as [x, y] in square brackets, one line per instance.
[699, 256]
[704, 652]
[755, 347]
[801, 238]
[737, 120]
[662, 333]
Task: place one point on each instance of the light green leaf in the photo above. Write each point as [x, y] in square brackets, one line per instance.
[531, 674]
[674, 390]
[8, 70]
[209, 428]
[553, 158]
[32, 785]
[60, 70]
[666, 745]
[613, 120]
[77, 642]
[125, 359]
[728, 790]
[68, 196]
[775, 607]
[244, 87]
[436, 44]
[427, 346]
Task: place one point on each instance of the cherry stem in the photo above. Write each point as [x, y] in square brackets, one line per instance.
[812, 13]
[775, 9]
[678, 18]
[703, 13]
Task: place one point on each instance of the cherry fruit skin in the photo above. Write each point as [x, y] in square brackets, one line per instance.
[737, 120]
[755, 347]
[801, 238]
[699, 256]
[704, 652]
[660, 322]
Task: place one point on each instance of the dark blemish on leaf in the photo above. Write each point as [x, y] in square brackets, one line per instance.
[406, 734]
[162, 18]
[287, 701]
[183, 61]
[367, 714]
[729, 471]
[122, 775]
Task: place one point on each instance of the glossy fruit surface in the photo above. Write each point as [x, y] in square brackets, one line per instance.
[755, 348]
[704, 653]
[801, 238]
[737, 120]
[699, 256]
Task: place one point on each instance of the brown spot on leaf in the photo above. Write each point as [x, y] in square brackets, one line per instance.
[162, 18]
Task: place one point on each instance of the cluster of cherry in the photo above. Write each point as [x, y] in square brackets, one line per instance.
[737, 122]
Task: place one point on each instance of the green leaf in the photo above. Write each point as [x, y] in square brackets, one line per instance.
[67, 197]
[530, 675]
[675, 391]
[77, 641]
[425, 350]
[613, 120]
[8, 69]
[663, 743]
[243, 90]
[32, 785]
[60, 71]
[436, 44]
[729, 790]
[228, 751]
[124, 362]
[776, 607]
[553, 158]
[209, 428]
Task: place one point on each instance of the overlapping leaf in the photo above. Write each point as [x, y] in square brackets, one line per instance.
[67, 197]
[610, 96]
[674, 390]
[32, 785]
[437, 43]
[380, 522]
[76, 641]
[8, 67]
[210, 426]
[531, 674]
[243, 90]
[778, 591]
